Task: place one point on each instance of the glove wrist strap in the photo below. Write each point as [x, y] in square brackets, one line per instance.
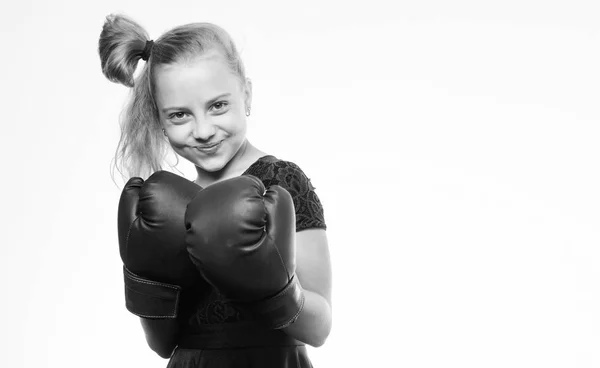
[150, 299]
[282, 309]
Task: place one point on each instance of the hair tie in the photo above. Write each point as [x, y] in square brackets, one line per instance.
[147, 50]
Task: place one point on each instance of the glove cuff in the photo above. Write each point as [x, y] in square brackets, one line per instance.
[150, 299]
[282, 309]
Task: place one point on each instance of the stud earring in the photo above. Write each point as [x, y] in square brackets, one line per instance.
[164, 132]
[248, 111]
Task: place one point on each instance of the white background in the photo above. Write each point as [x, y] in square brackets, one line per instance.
[453, 144]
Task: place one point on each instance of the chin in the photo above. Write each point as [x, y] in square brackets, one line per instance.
[210, 164]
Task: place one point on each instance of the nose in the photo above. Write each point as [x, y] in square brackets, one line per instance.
[203, 129]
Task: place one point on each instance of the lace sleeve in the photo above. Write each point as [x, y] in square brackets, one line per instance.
[309, 210]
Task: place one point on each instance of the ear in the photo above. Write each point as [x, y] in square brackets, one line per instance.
[248, 93]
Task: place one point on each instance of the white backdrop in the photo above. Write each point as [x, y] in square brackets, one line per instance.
[454, 146]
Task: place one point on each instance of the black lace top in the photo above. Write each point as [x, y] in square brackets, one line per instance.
[212, 309]
[272, 171]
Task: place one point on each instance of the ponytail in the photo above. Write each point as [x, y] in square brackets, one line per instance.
[121, 46]
[142, 147]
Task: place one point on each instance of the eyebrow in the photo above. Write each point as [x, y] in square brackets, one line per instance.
[210, 102]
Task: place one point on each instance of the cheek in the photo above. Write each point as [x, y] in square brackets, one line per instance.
[232, 122]
[178, 135]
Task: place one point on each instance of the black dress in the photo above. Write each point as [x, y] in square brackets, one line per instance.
[218, 334]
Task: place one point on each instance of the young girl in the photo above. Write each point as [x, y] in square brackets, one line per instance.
[193, 95]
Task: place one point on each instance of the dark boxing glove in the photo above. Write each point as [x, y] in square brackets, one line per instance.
[242, 238]
[157, 266]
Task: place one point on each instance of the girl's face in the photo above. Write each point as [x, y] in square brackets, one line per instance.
[202, 106]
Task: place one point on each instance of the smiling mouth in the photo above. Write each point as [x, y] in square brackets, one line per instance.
[208, 146]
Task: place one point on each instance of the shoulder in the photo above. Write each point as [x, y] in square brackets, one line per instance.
[287, 174]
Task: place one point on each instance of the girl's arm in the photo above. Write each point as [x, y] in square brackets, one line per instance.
[313, 269]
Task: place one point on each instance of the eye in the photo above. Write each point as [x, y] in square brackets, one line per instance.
[177, 115]
[220, 105]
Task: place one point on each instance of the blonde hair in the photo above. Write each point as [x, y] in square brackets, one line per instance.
[142, 148]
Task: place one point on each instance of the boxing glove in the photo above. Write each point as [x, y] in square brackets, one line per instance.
[242, 238]
[156, 265]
